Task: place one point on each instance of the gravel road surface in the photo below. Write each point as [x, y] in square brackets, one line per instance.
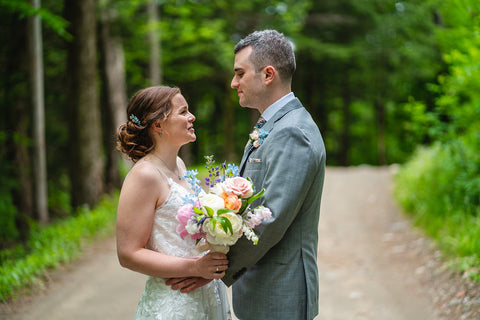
[373, 265]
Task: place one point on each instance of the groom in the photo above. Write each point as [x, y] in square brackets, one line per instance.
[277, 278]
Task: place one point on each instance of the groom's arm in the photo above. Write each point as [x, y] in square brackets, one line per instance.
[291, 162]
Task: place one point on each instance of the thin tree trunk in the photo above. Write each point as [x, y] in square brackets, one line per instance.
[38, 103]
[345, 134]
[86, 155]
[381, 144]
[155, 69]
[229, 126]
[115, 94]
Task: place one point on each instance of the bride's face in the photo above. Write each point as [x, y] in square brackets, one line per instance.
[178, 127]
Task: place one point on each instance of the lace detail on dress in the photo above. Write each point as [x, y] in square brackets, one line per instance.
[159, 301]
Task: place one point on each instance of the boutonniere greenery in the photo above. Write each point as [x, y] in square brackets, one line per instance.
[257, 137]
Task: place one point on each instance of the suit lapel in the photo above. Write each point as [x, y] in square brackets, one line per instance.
[246, 153]
[292, 105]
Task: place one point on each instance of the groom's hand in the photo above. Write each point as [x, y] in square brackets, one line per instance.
[187, 284]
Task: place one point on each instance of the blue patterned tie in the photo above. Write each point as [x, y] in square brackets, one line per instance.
[260, 122]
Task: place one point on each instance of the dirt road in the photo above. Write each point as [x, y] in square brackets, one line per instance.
[373, 265]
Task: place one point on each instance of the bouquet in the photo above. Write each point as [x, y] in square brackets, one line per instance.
[219, 217]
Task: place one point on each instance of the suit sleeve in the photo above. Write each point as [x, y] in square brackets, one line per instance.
[291, 162]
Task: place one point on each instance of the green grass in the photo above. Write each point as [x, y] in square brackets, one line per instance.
[435, 190]
[53, 245]
[48, 247]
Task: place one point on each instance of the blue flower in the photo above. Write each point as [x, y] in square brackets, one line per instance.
[232, 170]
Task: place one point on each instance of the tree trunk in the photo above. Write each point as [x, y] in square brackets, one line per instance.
[229, 125]
[15, 162]
[86, 156]
[154, 69]
[381, 144]
[346, 113]
[115, 94]
[38, 103]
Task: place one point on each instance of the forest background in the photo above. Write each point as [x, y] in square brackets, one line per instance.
[388, 82]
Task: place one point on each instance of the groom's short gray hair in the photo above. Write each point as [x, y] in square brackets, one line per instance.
[270, 47]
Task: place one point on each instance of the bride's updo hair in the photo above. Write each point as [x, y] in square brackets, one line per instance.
[145, 108]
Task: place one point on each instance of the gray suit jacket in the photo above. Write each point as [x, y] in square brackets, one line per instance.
[278, 278]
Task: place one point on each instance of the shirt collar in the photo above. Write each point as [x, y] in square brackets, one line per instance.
[277, 105]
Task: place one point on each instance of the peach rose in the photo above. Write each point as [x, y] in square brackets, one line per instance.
[233, 202]
[239, 186]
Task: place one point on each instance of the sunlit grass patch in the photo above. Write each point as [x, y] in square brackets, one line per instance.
[435, 190]
[50, 246]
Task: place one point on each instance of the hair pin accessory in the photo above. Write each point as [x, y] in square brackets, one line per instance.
[135, 120]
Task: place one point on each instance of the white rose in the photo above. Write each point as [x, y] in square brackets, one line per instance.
[218, 236]
[254, 135]
[212, 201]
[218, 188]
[192, 227]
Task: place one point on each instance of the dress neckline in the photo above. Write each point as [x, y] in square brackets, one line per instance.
[170, 182]
[169, 196]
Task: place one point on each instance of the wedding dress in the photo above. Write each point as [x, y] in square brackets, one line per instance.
[159, 301]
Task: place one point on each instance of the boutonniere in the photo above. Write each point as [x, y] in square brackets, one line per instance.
[257, 137]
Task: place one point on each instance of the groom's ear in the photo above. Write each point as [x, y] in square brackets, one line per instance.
[269, 74]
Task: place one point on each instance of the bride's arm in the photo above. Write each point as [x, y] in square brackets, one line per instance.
[143, 190]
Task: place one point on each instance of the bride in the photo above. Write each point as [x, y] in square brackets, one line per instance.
[159, 123]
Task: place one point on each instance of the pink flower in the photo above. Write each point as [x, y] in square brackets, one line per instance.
[182, 231]
[239, 186]
[253, 220]
[184, 213]
[183, 216]
[263, 212]
[258, 215]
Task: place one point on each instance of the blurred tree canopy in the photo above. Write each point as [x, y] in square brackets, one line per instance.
[360, 66]
[451, 121]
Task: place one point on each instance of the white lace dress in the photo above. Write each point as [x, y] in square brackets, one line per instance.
[159, 301]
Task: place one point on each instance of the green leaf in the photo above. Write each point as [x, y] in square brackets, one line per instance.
[253, 186]
[226, 224]
[210, 211]
[255, 197]
[244, 206]
[223, 211]
[213, 221]
[197, 211]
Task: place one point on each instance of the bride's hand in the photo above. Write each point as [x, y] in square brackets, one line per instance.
[212, 265]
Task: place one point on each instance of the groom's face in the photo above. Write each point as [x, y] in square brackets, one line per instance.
[247, 81]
